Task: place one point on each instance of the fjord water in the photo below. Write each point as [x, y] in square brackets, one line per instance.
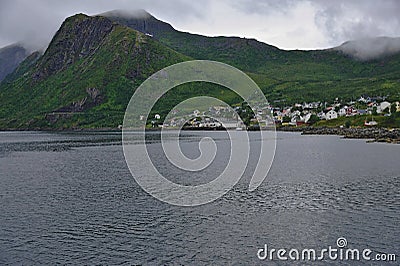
[70, 198]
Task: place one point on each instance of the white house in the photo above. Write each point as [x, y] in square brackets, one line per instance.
[380, 108]
[321, 115]
[295, 113]
[343, 111]
[296, 119]
[332, 114]
[307, 117]
[362, 99]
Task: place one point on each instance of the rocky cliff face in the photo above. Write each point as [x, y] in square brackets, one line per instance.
[78, 37]
[10, 57]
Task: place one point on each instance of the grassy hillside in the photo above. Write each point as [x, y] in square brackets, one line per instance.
[289, 75]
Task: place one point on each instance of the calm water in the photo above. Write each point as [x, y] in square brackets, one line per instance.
[69, 198]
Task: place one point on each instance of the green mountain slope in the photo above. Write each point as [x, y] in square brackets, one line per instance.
[290, 75]
[85, 78]
[251, 55]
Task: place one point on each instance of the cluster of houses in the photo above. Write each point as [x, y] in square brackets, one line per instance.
[302, 113]
[215, 117]
[296, 114]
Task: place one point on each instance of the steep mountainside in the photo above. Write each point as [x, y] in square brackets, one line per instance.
[10, 57]
[85, 78]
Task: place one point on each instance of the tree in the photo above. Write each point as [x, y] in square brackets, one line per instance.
[393, 108]
[313, 119]
[286, 119]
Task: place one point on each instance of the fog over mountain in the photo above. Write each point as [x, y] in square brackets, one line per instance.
[135, 13]
[371, 48]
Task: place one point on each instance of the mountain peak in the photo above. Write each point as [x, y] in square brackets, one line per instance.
[78, 36]
[139, 20]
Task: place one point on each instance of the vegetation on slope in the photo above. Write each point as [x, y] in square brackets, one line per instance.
[288, 75]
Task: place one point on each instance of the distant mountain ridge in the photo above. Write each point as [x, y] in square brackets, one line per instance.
[363, 49]
[257, 57]
[226, 49]
[10, 57]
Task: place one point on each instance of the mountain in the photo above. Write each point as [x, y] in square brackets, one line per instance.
[10, 57]
[257, 57]
[283, 75]
[85, 78]
[92, 66]
[247, 54]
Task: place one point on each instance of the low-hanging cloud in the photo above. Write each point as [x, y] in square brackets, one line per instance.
[371, 48]
[288, 24]
[361, 22]
[343, 20]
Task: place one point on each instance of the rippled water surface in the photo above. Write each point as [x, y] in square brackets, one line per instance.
[70, 198]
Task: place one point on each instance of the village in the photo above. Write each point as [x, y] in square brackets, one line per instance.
[298, 114]
[310, 113]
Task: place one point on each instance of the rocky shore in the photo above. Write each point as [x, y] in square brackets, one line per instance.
[372, 134]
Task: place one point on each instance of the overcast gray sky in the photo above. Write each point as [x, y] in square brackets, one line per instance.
[288, 24]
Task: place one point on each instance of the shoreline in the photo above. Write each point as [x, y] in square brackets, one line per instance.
[371, 134]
